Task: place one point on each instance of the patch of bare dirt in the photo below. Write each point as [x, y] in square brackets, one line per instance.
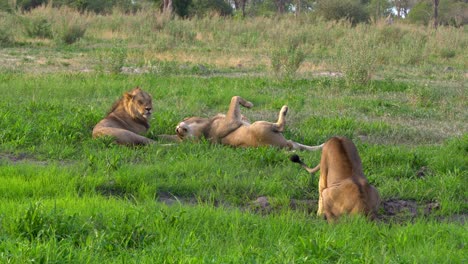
[170, 199]
[21, 157]
[391, 210]
[112, 189]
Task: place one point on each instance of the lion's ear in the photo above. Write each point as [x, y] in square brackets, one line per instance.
[135, 90]
[128, 96]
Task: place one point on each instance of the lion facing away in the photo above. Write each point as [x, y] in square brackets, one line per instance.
[234, 130]
[128, 117]
[343, 188]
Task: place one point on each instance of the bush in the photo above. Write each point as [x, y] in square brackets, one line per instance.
[285, 62]
[450, 13]
[112, 60]
[6, 37]
[206, 7]
[6, 7]
[447, 53]
[351, 10]
[29, 4]
[6, 30]
[39, 27]
[72, 33]
[421, 13]
[357, 57]
[69, 26]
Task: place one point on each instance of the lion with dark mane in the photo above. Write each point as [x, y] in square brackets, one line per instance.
[128, 119]
[234, 130]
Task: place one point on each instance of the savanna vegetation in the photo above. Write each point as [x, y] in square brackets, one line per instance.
[397, 90]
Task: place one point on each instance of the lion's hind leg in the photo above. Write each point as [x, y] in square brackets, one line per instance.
[340, 199]
[281, 123]
[233, 115]
[122, 136]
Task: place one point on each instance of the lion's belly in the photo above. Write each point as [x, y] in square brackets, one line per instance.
[242, 137]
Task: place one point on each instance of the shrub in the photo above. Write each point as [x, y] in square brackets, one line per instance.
[357, 57]
[29, 4]
[391, 35]
[6, 37]
[111, 61]
[351, 10]
[447, 53]
[6, 30]
[421, 13]
[6, 7]
[72, 33]
[39, 27]
[69, 26]
[286, 61]
[206, 7]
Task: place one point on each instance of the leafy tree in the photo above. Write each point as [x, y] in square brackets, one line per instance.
[352, 10]
[261, 7]
[204, 7]
[5, 6]
[379, 8]
[29, 4]
[420, 13]
[182, 7]
[450, 12]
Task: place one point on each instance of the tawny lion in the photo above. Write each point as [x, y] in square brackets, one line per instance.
[343, 188]
[234, 130]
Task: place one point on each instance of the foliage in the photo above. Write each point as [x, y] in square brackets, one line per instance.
[358, 57]
[261, 8]
[421, 13]
[7, 37]
[351, 10]
[111, 60]
[182, 7]
[69, 30]
[451, 12]
[286, 61]
[39, 27]
[379, 8]
[202, 8]
[29, 4]
[5, 6]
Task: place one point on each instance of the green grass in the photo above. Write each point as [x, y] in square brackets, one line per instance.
[68, 198]
[65, 197]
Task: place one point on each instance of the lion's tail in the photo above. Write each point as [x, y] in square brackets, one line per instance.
[295, 158]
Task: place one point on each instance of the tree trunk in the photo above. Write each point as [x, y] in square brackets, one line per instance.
[377, 14]
[167, 6]
[398, 8]
[280, 6]
[436, 13]
[298, 8]
[243, 2]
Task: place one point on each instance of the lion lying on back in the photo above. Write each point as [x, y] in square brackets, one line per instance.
[343, 189]
[128, 118]
[233, 129]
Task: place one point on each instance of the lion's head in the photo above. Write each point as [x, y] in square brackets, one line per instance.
[138, 104]
[191, 127]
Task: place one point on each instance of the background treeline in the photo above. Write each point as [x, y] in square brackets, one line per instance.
[445, 12]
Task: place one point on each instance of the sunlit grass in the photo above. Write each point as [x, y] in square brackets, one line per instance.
[65, 197]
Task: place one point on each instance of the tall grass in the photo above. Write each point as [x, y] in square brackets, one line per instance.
[231, 42]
